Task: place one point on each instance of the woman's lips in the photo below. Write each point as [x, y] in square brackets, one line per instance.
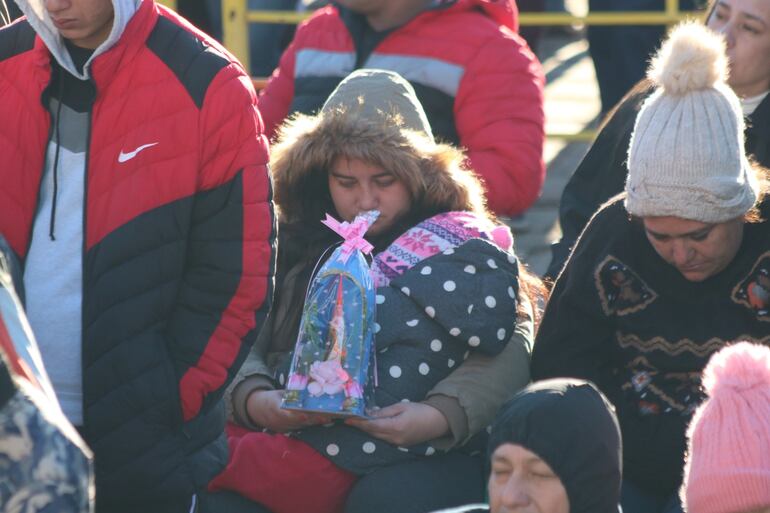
[64, 23]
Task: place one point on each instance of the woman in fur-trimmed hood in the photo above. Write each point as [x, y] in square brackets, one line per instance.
[390, 133]
[447, 288]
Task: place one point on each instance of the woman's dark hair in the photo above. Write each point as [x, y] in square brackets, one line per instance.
[760, 210]
[532, 287]
[709, 10]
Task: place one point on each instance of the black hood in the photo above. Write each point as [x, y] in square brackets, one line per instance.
[572, 427]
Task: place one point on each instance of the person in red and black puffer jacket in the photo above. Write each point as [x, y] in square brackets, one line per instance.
[137, 199]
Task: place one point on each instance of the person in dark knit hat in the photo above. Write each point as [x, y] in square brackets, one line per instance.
[554, 448]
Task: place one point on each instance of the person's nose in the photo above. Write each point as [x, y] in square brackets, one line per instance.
[728, 32]
[681, 253]
[56, 5]
[368, 199]
[515, 495]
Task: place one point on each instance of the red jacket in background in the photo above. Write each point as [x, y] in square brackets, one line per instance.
[480, 85]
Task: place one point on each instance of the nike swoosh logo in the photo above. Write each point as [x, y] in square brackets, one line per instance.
[125, 157]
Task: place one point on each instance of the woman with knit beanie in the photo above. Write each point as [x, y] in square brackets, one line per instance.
[601, 174]
[449, 287]
[728, 453]
[669, 272]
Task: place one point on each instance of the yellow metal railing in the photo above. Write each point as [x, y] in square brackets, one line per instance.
[236, 18]
[168, 3]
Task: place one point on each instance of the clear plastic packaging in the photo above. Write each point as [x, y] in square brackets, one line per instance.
[331, 369]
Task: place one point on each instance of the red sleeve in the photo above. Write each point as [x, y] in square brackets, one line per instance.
[275, 99]
[500, 120]
[231, 248]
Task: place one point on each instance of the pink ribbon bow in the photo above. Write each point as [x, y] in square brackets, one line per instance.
[353, 233]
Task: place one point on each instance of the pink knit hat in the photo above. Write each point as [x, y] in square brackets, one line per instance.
[728, 462]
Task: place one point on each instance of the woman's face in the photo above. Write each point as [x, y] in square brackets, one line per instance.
[521, 482]
[697, 250]
[746, 27]
[357, 186]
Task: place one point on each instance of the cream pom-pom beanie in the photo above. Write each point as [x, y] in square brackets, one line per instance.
[686, 158]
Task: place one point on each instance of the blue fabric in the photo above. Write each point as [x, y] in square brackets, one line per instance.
[44, 467]
[41, 469]
[621, 54]
[429, 484]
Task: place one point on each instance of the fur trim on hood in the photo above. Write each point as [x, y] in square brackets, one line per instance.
[308, 146]
[40, 20]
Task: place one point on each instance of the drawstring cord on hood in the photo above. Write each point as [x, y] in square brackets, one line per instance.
[57, 139]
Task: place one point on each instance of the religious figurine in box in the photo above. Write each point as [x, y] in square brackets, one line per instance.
[331, 363]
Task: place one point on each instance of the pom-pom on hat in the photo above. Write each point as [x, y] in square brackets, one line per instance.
[728, 462]
[686, 158]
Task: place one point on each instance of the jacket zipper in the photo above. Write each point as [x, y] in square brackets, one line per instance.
[360, 59]
[83, 251]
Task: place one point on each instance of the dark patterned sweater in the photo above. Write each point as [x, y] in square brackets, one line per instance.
[622, 317]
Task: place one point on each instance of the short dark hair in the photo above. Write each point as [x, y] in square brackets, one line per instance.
[762, 176]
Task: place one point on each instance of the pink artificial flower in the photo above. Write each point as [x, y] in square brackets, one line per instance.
[328, 378]
[353, 389]
[315, 389]
[296, 382]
